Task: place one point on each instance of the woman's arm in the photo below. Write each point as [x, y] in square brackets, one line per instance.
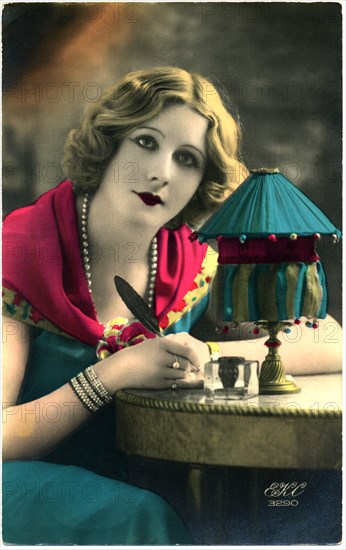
[27, 429]
[303, 351]
[29, 433]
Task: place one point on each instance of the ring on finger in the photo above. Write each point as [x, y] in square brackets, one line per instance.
[174, 385]
[176, 364]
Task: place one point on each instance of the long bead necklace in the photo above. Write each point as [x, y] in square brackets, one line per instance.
[86, 257]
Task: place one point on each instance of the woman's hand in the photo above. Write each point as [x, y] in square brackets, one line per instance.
[200, 348]
[150, 364]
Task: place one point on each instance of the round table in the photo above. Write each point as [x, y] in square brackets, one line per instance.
[282, 431]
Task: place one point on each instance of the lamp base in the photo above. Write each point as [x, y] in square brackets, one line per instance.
[272, 379]
[286, 386]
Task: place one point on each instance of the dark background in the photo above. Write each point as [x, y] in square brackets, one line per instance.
[279, 62]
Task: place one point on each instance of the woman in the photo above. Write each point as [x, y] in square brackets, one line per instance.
[157, 152]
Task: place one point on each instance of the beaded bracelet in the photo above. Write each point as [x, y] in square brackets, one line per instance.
[82, 395]
[90, 390]
[97, 385]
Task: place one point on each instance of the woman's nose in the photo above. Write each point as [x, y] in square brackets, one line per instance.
[159, 171]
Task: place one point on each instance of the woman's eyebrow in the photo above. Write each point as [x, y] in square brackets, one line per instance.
[149, 128]
[196, 149]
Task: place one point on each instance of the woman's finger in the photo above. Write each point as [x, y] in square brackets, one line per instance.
[176, 362]
[182, 350]
[192, 383]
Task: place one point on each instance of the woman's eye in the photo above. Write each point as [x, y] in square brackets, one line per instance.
[187, 159]
[147, 142]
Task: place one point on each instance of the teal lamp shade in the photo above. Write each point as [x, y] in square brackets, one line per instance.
[268, 266]
[267, 203]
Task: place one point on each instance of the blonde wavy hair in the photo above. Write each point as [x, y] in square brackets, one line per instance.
[137, 98]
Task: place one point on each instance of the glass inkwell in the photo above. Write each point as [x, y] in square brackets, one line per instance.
[230, 378]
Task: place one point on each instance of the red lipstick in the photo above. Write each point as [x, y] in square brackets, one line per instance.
[149, 199]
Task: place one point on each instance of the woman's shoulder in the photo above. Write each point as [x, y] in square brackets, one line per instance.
[52, 212]
[48, 201]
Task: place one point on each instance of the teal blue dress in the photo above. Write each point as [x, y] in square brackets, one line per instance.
[78, 493]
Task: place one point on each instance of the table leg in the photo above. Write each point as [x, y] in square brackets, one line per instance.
[218, 499]
[254, 505]
[195, 487]
[209, 498]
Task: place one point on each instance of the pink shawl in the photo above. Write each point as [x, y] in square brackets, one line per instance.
[42, 263]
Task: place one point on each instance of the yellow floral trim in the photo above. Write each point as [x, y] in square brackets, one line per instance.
[202, 281]
[114, 326]
[121, 333]
[16, 307]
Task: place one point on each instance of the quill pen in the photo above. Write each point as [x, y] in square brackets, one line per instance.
[138, 307]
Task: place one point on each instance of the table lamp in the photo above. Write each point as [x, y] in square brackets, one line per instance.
[269, 271]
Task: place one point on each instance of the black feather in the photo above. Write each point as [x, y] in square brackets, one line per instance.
[137, 305]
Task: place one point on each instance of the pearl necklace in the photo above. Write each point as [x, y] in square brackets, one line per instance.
[86, 258]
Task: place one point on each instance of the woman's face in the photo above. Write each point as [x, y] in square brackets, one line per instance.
[158, 166]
